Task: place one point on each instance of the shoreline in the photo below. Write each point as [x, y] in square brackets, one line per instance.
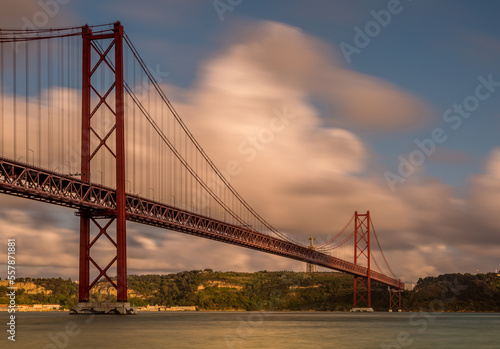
[267, 311]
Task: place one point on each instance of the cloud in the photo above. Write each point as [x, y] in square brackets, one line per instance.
[292, 60]
[493, 165]
[276, 68]
[41, 249]
[173, 252]
[483, 194]
[480, 42]
[26, 14]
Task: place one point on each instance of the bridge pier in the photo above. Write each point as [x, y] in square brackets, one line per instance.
[105, 308]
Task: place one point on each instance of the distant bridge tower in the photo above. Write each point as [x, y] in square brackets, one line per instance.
[362, 252]
[311, 268]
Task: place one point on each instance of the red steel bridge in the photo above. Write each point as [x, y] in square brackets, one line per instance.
[85, 125]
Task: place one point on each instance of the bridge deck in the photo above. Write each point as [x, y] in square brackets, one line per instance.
[42, 185]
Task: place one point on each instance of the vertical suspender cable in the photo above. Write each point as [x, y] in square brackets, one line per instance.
[39, 90]
[102, 132]
[73, 102]
[49, 104]
[66, 113]
[14, 60]
[77, 96]
[186, 197]
[62, 123]
[134, 128]
[172, 165]
[161, 146]
[61, 107]
[2, 81]
[57, 86]
[148, 155]
[26, 72]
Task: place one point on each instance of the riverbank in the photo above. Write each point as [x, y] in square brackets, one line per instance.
[33, 307]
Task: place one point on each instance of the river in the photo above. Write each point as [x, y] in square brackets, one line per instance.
[254, 330]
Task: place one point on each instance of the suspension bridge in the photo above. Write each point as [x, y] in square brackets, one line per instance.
[85, 125]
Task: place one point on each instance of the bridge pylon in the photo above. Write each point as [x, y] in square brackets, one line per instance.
[311, 268]
[362, 252]
[94, 59]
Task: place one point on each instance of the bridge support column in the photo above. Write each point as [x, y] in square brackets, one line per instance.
[394, 299]
[84, 275]
[121, 222]
[362, 285]
[104, 59]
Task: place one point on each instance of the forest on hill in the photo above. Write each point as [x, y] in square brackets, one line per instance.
[322, 291]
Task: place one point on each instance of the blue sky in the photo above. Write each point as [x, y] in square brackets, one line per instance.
[359, 117]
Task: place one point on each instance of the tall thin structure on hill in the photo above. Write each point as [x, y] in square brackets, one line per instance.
[311, 268]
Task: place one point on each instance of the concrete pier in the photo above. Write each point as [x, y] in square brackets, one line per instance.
[116, 308]
[362, 310]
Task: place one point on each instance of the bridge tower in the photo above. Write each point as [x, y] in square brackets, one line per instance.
[94, 60]
[311, 268]
[362, 252]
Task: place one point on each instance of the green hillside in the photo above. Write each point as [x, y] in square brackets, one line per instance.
[456, 292]
[324, 291]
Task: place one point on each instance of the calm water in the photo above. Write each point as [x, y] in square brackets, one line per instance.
[255, 330]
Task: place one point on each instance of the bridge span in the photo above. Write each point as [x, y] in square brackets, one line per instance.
[33, 183]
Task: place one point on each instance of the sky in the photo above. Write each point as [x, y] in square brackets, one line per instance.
[390, 106]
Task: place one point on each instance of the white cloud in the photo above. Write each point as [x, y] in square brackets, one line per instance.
[493, 164]
[274, 58]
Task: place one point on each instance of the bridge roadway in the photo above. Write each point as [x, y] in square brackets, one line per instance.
[34, 183]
